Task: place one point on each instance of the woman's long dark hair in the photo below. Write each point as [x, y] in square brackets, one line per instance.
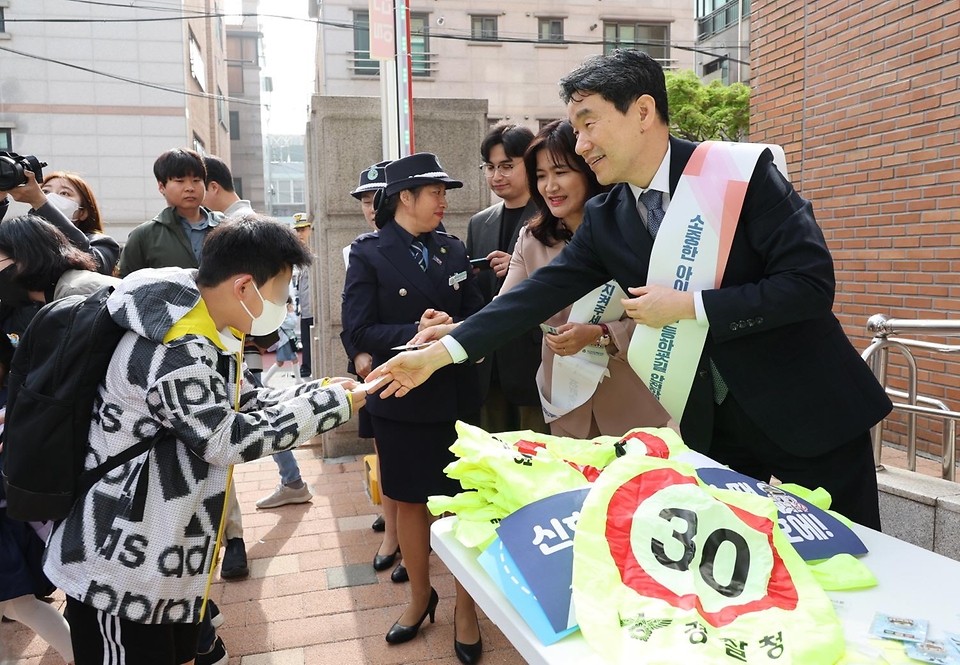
[557, 138]
[41, 251]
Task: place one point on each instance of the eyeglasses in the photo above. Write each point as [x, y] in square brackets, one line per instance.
[506, 169]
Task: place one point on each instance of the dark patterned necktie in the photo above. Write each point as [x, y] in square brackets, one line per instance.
[419, 252]
[652, 200]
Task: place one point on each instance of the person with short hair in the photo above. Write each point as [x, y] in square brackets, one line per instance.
[401, 280]
[508, 375]
[174, 237]
[778, 389]
[221, 196]
[134, 554]
[301, 284]
[371, 181]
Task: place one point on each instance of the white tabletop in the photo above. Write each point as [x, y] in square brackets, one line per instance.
[913, 582]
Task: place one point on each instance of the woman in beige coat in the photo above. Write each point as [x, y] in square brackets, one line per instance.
[560, 184]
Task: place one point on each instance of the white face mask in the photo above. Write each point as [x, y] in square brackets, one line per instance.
[270, 318]
[64, 205]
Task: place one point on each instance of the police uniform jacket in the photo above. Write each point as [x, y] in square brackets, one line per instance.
[384, 296]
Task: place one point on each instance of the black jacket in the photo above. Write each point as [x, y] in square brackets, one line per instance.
[384, 296]
[773, 335]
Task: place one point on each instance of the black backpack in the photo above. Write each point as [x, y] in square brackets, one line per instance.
[60, 361]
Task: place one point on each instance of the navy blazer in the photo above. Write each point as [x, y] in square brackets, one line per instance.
[384, 296]
[773, 335]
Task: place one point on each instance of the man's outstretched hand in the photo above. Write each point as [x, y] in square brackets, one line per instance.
[410, 369]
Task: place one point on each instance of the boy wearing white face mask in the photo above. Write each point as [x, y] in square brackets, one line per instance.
[134, 554]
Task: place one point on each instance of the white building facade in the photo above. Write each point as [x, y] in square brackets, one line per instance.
[110, 120]
[510, 53]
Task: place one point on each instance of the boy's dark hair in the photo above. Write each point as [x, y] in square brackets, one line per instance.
[256, 245]
[179, 163]
[41, 251]
[513, 138]
[620, 77]
[218, 172]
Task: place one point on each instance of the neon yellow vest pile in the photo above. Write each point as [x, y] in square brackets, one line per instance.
[670, 570]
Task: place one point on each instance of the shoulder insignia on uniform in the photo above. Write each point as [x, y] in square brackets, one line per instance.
[447, 235]
[367, 236]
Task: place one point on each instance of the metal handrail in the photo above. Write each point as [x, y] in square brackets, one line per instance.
[877, 357]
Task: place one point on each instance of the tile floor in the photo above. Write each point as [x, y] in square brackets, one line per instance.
[312, 597]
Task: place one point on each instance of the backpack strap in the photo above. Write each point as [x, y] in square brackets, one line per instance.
[90, 477]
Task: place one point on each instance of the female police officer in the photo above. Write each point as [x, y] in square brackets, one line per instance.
[407, 277]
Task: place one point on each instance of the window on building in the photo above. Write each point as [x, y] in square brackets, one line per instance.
[653, 38]
[3, 25]
[6, 139]
[238, 186]
[288, 192]
[714, 16]
[197, 67]
[234, 125]
[235, 79]
[483, 27]
[419, 45]
[287, 153]
[551, 29]
[242, 50]
[221, 108]
[198, 144]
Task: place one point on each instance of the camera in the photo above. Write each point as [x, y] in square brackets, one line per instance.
[13, 168]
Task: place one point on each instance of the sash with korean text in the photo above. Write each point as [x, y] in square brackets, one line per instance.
[575, 378]
[690, 254]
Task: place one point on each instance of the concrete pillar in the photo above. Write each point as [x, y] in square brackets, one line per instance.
[343, 137]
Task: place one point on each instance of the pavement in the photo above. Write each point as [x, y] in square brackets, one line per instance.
[312, 597]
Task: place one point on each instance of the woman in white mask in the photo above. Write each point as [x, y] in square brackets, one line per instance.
[73, 197]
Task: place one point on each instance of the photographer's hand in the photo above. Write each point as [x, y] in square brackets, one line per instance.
[29, 193]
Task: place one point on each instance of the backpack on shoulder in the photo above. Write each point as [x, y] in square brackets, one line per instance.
[60, 362]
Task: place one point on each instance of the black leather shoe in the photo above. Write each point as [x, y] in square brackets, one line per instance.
[399, 574]
[399, 634]
[378, 525]
[468, 654]
[234, 564]
[382, 562]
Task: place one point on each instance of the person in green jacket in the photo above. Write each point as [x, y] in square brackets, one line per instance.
[174, 237]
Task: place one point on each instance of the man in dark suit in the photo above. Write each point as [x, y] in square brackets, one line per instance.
[789, 395]
[508, 375]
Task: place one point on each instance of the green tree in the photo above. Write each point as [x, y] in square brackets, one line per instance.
[710, 112]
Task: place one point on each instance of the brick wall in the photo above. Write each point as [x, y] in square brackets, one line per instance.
[865, 99]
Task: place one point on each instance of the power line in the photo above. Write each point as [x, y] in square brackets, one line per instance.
[146, 84]
[354, 25]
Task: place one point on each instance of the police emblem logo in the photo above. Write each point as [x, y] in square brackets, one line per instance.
[372, 173]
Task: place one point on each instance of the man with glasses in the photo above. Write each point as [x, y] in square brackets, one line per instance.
[508, 378]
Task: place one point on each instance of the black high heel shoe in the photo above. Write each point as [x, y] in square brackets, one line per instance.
[399, 634]
[468, 654]
[399, 574]
[382, 562]
[379, 525]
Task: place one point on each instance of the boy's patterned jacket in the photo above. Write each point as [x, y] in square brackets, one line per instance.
[139, 544]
